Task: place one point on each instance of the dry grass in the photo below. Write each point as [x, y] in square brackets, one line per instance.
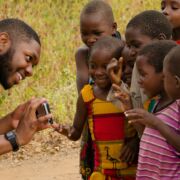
[57, 22]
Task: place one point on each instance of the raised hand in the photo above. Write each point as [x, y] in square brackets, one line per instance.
[114, 70]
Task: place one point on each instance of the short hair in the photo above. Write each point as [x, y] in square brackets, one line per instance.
[151, 23]
[109, 44]
[173, 61]
[18, 30]
[156, 52]
[98, 7]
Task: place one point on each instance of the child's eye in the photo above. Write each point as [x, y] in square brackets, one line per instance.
[128, 45]
[174, 8]
[97, 33]
[84, 33]
[136, 46]
[162, 6]
[105, 66]
[130, 63]
[29, 58]
[175, 5]
[92, 66]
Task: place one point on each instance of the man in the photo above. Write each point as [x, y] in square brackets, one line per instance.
[19, 52]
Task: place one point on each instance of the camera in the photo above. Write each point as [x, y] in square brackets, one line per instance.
[43, 110]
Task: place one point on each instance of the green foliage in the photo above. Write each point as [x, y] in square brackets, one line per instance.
[57, 22]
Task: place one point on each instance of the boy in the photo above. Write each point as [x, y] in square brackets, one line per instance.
[171, 73]
[142, 29]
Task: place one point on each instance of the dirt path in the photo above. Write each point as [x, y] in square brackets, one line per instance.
[61, 165]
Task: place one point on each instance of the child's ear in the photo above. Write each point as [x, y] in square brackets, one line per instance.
[114, 27]
[177, 79]
[161, 36]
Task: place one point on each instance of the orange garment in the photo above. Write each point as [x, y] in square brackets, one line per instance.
[108, 130]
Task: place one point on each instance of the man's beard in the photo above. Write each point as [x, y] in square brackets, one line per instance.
[5, 68]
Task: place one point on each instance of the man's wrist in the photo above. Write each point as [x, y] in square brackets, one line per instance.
[11, 137]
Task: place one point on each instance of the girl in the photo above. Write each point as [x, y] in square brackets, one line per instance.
[171, 9]
[106, 122]
[96, 21]
[160, 145]
[171, 72]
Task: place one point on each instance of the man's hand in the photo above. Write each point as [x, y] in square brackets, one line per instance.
[17, 114]
[28, 123]
[114, 70]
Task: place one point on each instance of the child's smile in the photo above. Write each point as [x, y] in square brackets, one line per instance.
[97, 68]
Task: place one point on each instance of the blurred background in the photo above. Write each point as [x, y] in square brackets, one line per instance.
[57, 22]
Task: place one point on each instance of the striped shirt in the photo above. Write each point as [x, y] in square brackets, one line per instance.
[158, 160]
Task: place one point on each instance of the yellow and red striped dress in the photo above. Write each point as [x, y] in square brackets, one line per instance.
[108, 130]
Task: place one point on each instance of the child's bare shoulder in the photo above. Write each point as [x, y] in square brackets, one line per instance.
[82, 53]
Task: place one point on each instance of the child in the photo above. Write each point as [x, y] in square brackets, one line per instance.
[142, 29]
[160, 145]
[171, 9]
[171, 70]
[96, 21]
[106, 122]
[128, 62]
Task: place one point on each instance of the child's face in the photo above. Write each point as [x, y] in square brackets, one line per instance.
[171, 9]
[93, 27]
[97, 68]
[150, 81]
[171, 83]
[129, 64]
[135, 40]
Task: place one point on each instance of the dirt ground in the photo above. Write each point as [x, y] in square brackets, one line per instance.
[42, 159]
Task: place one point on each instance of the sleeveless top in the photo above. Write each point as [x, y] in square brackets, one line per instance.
[107, 128]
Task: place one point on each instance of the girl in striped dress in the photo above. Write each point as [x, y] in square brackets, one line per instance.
[159, 156]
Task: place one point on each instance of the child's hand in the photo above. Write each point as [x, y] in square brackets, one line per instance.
[123, 96]
[62, 129]
[129, 152]
[141, 116]
[114, 70]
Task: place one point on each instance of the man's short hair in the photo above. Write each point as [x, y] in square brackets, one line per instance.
[151, 23]
[156, 52]
[98, 7]
[18, 30]
[173, 61]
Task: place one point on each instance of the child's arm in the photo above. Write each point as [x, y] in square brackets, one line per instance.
[119, 93]
[82, 76]
[74, 132]
[143, 117]
[130, 150]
